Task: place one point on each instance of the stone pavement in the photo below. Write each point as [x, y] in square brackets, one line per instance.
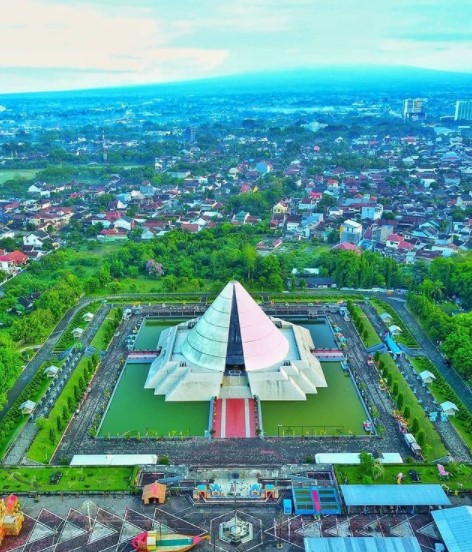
[106, 524]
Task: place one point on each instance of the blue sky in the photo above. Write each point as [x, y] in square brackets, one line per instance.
[64, 44]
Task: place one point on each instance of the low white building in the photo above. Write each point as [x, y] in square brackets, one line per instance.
[27, 407]
[114, 459]
[77, 332]
[51, 371]
[449, 408]
[427, 377]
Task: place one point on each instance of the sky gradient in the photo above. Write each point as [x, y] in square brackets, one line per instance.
[70, 44]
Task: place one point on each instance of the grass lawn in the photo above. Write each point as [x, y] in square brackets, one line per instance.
[8, 174]
[437, 449]
[372, 337]
[441, 395]
[449, 307]
[41, 449]
[318, 415]
[21, 479]
[461, 475]
[100, 340]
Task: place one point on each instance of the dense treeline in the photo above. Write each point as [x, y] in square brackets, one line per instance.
[10, 366]
[446, 278]
[190, 261]
[454, 333]
[361, 271]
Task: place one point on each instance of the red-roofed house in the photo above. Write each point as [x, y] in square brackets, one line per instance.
[393, 241]
[190, 227]
[18, 258]
[112, 235]
[406, 246]
[11, 262]
[346, 246]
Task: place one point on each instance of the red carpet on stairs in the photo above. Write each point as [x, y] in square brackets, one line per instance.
[235, 418]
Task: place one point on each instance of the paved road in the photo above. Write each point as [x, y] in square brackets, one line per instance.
[462, 389]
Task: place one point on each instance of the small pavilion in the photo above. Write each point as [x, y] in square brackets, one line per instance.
[154, 492]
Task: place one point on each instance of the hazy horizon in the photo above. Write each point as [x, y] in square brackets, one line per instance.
[49, 45]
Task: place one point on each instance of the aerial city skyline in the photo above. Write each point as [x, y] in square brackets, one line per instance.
[52, 45]
[235, 276]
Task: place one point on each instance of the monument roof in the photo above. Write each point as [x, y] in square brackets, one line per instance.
[233, 331]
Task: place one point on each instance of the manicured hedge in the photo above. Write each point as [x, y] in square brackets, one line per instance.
[388, 367]
[67, 339]
[363, 326]
[442, 391]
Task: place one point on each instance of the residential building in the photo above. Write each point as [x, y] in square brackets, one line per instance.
[350, 232]
[372, 211]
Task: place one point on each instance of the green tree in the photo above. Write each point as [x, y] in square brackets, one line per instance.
[52, 436]
[415, 426]
[406, 412]
[59, 424]
[41, 422]
[400, 401]
[421, 438]
[366, 463]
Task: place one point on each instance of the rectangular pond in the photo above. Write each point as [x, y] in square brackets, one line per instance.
[320, 331]
[148, 334]
[336, 409]
[135, 409]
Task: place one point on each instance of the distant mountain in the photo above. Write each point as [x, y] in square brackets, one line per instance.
[363, 77]
[380, 79]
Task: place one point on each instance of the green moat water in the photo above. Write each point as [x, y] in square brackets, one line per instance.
[333, 407]
[135, 409]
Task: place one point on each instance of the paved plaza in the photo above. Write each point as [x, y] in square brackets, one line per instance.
[106, 524]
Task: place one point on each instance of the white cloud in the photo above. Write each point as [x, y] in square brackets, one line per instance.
[35, 34]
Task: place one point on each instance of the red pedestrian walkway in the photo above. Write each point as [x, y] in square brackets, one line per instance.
[235, 418]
